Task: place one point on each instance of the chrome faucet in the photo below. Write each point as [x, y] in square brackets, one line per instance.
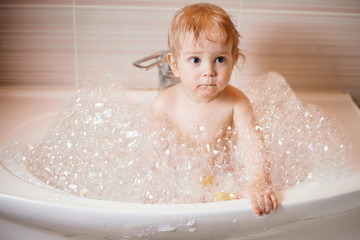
[166, 76]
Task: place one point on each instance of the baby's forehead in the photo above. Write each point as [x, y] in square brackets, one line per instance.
[198, 38]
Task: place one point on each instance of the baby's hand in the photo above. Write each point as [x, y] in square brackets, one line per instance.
[262, 198]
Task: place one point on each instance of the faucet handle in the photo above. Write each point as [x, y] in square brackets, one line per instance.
[166, 76]
[159, 57]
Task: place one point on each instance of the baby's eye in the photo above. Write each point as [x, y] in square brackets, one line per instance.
[220, 59]
[195, 60]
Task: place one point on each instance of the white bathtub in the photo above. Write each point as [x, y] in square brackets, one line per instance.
[307, 211]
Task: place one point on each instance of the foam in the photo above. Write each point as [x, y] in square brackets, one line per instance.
[103, 146]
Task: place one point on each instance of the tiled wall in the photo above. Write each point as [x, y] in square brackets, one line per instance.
[313, 43]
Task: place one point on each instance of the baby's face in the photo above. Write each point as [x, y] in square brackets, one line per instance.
[204, 67]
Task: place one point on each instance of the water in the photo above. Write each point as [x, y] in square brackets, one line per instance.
[103, 146]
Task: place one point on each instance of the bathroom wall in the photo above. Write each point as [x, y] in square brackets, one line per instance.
[315, 44]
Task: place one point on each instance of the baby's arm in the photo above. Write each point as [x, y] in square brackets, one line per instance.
[161, 108]
[158, 106]
[164, 102]
[258, 188]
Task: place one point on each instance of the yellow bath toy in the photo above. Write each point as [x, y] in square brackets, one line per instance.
[83, 192]
[221, 196]
[207, 180]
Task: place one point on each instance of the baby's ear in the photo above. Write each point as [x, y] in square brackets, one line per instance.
[173, 64]
[236, 58]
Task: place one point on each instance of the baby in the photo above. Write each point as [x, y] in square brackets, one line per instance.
[203, 45]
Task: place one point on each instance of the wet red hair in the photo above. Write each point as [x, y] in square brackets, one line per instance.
[197, 20]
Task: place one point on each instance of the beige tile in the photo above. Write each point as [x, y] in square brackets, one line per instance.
[109, 40]
[349, 6]
[175, 4]
[312, 50]
[37, 46]
[36, 2]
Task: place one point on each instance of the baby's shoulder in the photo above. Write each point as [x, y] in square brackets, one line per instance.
[241, 106]
[164, 99]
[236, 96]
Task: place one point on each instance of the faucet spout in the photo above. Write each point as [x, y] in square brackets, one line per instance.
[166, 76]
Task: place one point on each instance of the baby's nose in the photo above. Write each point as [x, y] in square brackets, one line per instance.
[209, 71]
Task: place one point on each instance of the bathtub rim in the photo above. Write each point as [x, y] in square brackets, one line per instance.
[91, 216]
[302, 193]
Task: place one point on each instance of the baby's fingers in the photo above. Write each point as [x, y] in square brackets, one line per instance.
[264, 203]
[274, 201]
[268, 204]
[257, 202]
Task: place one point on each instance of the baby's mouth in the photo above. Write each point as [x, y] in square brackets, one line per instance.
[207, 85]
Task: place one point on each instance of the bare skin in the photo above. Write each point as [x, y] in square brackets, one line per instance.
[205, 99]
